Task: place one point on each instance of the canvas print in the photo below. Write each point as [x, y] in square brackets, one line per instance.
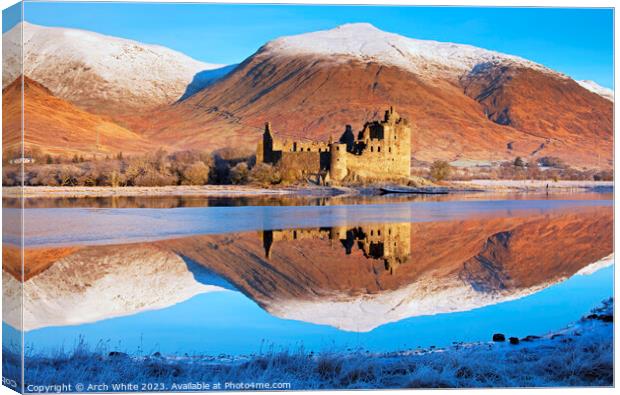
[210, 197]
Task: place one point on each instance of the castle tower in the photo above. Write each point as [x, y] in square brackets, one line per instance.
[264, 151]
[403, 147]
[397, 137]
[338, 161]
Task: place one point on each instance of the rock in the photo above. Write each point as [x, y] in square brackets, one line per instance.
[606, 317]
[499, 337]
[157, 354]
[530, 338]
[514, 340]
[117, 354]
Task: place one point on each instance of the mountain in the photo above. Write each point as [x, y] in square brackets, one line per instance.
[463, 102]
[99, 73]
[60, 128]
[596, 88]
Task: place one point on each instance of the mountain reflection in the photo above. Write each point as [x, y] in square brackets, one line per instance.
[390, 243]
[354, 277]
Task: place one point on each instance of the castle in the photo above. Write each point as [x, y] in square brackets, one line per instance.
[380, 151]
[390, 243]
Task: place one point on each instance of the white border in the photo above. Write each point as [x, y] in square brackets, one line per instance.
[484, 3]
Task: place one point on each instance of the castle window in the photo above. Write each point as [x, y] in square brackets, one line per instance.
[372, 232]
[378, 149]
[378, 233]
[337, 148]
[294, 147]
[372, 149]
[390, 231]
[389, 149]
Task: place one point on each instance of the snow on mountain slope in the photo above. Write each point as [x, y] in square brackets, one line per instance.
[596, 88]
[99, 72]
[365, 42]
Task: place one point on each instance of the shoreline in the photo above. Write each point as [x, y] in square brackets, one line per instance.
[534, 185]
[231, 191]
[544, 360]
[177, 190]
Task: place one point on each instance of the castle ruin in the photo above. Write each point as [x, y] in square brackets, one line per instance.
[380, 151]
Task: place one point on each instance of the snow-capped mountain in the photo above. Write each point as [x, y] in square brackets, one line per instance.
[100, 73]
[463, 102]
[364, 42]
[596, 88]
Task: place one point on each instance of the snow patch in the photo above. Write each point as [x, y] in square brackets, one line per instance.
[596, 88]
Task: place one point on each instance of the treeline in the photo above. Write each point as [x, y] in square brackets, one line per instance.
[225, 166]
[545, 168]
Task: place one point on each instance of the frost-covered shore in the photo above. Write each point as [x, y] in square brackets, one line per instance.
[175, 190]
[578, 355]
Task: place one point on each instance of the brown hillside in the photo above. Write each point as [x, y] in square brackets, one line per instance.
[58, 127]
[311, 97]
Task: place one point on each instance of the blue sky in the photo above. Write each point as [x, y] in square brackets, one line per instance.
[578, 42]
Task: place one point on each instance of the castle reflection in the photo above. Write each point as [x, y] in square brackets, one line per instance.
[389, 242]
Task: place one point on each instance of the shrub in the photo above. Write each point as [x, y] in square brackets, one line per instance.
[68, 176]
[239, 173]
[196, 174]
[519, 162]
[605, 175]
[552, 161]
[11, 176]
[440, 170]
[265, 174]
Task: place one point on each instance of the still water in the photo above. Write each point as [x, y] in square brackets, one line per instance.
[382, 274]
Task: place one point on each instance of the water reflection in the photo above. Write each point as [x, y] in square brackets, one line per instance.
[390, 243]
[350, 277]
